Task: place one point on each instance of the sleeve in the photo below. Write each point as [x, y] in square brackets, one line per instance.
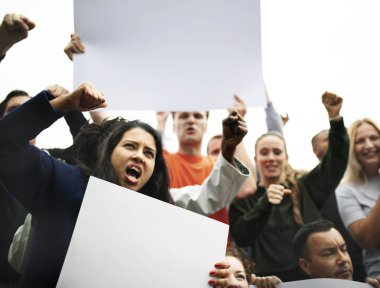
[216, 192]
[75, 120]
[273, 119]
[326, 176]
[349, 208]
[26, 172]
[248, 217]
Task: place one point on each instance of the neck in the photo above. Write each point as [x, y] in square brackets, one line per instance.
[372, 171]
[265, 182]
[193, 150]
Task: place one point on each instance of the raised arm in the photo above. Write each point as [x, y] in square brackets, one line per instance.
[326, 176]
[250, 186]
[13, 29]
[227, 176]
[25, 123]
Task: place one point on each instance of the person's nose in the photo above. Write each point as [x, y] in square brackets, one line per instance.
[190, 119]
[232, 282]
[343, 258]
[271, 156]
[138, 156]
[368, 143]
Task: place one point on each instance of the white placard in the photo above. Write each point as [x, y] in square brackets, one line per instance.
[171, 55]
[125, 239]
[323, 282]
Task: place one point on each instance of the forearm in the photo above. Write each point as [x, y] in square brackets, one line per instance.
[326, 176]
[215, 193]
[75, 120]
[366, 231]
[241, 153]
[29, 120]
[273, 119]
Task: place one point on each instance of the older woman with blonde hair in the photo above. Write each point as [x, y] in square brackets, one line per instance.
[358, 194]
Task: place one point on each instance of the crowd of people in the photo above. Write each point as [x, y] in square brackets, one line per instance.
[285, 224]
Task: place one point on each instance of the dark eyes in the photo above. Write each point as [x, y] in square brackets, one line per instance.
[149, 154]
[129, 145]
[240, 277]
[276, 152]
[372, 138]
[186, 115]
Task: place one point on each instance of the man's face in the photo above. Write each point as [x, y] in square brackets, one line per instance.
[190, 126]
[214, 147]
[327, 256]
[321, 144]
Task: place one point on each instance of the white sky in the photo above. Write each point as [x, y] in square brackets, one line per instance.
[308, 47]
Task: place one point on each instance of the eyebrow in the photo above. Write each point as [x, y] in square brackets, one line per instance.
[137, 142]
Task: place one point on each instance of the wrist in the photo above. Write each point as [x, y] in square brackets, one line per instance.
[335, 118]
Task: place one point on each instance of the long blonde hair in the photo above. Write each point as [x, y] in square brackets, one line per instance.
[292, 178]
[355, 172]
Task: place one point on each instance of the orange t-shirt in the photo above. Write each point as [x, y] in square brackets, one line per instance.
[187, 170]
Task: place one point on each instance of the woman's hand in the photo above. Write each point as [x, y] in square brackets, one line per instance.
[220, 275]
[276, 193]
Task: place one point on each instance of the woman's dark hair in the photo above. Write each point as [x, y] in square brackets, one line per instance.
[95, 144]
[88, 141]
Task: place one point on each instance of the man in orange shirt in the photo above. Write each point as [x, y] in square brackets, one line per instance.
[188, 166]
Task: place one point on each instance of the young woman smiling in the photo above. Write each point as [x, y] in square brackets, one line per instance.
[285, 199]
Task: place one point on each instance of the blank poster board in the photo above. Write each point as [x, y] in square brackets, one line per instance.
[170, 54]
[125, 239]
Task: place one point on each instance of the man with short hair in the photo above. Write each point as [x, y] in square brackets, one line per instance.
[322, 252]
[188, 166]
[320, 143]
[329, 211]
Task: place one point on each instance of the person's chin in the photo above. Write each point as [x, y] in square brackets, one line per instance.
[345, 275]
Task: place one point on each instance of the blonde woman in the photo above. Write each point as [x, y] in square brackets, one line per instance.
[358, 195]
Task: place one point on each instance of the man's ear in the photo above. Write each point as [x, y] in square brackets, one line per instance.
[304, 265]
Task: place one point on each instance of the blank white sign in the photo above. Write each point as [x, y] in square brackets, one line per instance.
[125, 239]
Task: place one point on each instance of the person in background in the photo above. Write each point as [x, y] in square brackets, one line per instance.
[329, 211]
[236, 272]
[286, 199]
[358, 194]
[188, 166]
[274, 122]
[322, 252]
